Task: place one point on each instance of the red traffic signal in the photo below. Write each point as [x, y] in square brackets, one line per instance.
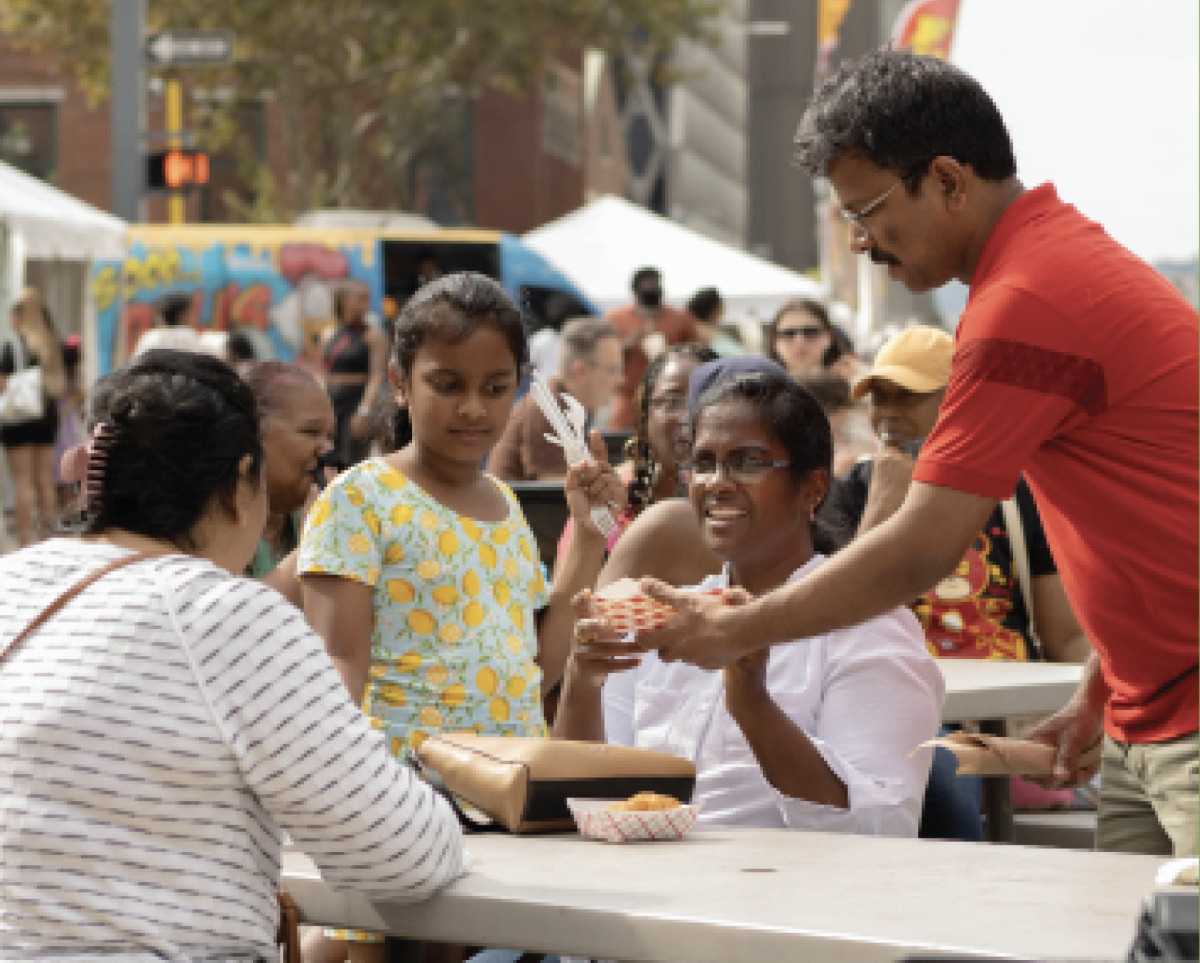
[173, 170]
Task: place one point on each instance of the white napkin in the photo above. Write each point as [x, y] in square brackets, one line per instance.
[1179, 872]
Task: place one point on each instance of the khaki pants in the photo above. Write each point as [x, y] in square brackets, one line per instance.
[1148, 797]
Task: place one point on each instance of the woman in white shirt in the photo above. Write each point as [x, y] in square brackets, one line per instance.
[818, 734]
[161, 731]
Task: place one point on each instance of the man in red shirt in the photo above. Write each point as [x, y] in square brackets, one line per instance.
[646, 327]
[1075, 363]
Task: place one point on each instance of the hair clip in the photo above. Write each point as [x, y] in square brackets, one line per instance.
[99, 450]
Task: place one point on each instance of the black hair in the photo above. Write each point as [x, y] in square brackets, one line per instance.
[842, 338]
[177, 426]
[704, 303]
[645, 466]
[72, 354]
[830, 389]
[448, 309]
[818, 310]
[642, 273]
[798, 422]
[899, 111]
[239, 347]
[341, 294]
[174, 308]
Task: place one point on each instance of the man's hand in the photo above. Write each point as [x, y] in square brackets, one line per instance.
[706, 630]
[1072, 731]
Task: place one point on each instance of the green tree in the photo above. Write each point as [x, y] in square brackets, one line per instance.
[364, 86]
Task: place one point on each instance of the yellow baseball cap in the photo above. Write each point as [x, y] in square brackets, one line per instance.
[917, 359]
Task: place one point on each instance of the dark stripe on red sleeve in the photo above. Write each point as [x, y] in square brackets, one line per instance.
[1028, 366]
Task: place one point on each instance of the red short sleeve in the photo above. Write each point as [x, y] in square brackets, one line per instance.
[1015, 383]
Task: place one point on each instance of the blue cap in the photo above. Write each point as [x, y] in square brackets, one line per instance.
[714, 372]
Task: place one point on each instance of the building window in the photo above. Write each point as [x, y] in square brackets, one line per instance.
[29, 138]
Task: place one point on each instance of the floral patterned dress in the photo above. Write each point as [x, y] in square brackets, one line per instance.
[454, 638]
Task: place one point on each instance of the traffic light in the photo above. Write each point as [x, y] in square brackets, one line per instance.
[176, 170]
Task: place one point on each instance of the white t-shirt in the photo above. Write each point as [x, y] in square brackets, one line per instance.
[178, 338]
[157, 736]
[866, 696]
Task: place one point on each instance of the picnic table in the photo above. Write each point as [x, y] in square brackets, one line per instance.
[723, 894]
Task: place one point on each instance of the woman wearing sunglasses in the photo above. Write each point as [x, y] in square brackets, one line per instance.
[802, 339]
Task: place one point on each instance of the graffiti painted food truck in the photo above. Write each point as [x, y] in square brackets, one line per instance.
[276, 284]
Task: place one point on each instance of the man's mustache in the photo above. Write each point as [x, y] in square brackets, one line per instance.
[881, 257]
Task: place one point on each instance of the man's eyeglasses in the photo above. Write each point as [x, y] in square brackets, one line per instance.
[807, 333]
[857, 220]
[739, 466]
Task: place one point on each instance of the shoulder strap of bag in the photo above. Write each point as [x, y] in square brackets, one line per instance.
[1016, 538]
[70, 593]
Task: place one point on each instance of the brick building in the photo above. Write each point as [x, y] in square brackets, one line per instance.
[523, 161]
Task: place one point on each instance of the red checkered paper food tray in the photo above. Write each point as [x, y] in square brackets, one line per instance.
[626, 609]
[596, 821]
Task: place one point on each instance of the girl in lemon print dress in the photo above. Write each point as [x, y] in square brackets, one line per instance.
[418, 569]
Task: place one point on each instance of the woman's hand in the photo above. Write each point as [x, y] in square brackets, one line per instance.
[745, 678]
[594, 486]
[746, 681]
[597, 650]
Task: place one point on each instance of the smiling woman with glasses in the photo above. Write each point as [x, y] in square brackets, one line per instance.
[801, 338]
[789, 744]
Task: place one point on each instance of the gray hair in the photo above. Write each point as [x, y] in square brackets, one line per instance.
[580, 336]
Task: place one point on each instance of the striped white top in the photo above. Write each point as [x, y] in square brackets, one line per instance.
[157, 736]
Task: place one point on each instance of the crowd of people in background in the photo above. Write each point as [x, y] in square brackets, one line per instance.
[808, 510]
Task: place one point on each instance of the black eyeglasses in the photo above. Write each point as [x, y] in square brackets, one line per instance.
[807, 333]
[739, 466]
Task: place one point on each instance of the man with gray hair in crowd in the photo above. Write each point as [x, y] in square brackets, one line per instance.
[590, 369]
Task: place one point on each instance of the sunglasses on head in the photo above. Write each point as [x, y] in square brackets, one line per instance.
[807, 333]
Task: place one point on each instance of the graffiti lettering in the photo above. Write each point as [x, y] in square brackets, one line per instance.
[136, 320]
[105, 289]
[160, 268]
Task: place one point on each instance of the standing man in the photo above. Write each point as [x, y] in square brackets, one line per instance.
[1075, 363]
[590, 370]
[646, 327]
[177, 330]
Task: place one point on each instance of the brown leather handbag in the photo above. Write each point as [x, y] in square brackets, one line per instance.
[523, 783]
[288, 935]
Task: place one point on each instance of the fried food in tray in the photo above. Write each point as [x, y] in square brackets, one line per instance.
[644, 802]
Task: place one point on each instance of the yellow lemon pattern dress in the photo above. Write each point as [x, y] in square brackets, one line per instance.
[454, 640]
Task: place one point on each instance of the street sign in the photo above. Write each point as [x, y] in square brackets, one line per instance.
[190, 48]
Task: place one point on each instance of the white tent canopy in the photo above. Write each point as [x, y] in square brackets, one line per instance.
[602, 244]
[55, 226]
[50, 240]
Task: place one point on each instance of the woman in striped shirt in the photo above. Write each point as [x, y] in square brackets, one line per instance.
[161, 732]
